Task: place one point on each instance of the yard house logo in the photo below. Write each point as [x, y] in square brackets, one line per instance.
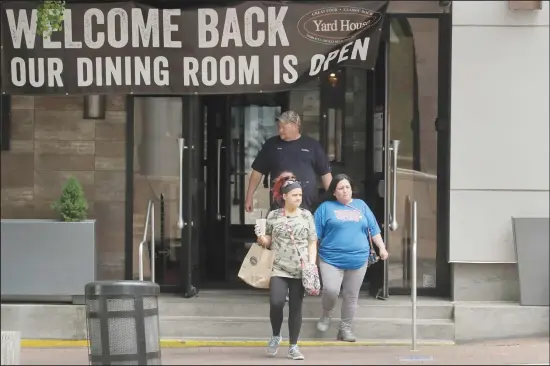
[335, 25]
[253, 261]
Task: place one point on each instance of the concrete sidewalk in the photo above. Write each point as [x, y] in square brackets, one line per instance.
[508, 352]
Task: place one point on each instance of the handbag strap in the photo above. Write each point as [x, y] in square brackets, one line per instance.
[291, 234]
[369, 236]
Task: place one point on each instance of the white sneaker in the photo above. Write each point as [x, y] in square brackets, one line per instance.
[273, 345]
[324, 323]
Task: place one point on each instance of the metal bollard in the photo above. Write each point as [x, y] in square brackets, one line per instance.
[122, 321]
[414, 229]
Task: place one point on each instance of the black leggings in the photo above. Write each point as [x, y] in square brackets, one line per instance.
[278, 289]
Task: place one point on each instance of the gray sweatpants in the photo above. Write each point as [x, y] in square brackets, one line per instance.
[350, 281]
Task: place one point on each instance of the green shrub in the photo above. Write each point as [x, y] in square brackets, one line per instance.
[50, 15]
[72, 205]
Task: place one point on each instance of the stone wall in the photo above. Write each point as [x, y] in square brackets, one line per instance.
[51, 141]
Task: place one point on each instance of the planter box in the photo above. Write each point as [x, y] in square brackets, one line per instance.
[47, 259]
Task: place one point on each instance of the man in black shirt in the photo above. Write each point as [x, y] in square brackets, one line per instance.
[291, 151]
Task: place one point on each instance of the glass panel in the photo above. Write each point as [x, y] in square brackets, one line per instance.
[157, 126]
[251, 126]
[306, 101]
[354, 138]
[331, 134]
[412, 108]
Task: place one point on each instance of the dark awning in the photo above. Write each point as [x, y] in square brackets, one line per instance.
[132, 47]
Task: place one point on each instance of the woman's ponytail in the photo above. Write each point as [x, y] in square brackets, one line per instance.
[278, 184]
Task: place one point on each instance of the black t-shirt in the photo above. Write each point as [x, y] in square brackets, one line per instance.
[304, 157]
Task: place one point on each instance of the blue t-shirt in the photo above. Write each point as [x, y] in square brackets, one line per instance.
[343, 233]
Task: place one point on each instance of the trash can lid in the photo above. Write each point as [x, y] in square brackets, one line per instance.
[113, 288]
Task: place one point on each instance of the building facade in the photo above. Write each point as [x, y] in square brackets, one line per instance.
[463, 87]
[499, 141]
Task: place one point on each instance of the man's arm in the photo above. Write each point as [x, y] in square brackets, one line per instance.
[322, 166]
[253, 182]
[260, 167]
[326, 179]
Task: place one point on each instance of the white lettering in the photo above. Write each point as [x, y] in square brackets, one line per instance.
[55, 68]
[248, 30]
[109, 71]
[331, 56]
[289, 61]
[88, 36]
[22, 27]
[276, 69]
[142, 71]
[209, 69]
[249, 73]
[210, 73]
[84, 71]
[47, 42]
[18, 71]
[68, 30]
[113, 70]
[231, 30]
[161, 75]
[343, 53]
[316, 63]
[347, 26]
[98, 77]
[128, 71]
[145, 30]
[36, 72]
[360, 47]
[208, 29]
[117, 22]
[190, 69]
[40, 71]
[275, 25]
[227, 70]
[168, 27]
[209, 35]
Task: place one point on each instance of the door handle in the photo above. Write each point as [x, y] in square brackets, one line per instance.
[181, 145]
[219, 215]
[394, 151]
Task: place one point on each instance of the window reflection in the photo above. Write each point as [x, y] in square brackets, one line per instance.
[334, 135]
[306, 101]
[412, 106]
[157, 126]
[251, 126]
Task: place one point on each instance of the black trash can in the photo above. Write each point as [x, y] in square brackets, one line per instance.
[122, 321]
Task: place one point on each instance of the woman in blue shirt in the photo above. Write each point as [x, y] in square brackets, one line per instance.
[343, 225]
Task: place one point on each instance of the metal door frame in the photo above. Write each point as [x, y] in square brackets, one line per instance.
[442, 126]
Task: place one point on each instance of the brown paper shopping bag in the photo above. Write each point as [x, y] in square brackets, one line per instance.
[256, 267]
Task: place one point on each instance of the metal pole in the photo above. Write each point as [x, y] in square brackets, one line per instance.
[387, 173]
[413, 272]
[153, 259]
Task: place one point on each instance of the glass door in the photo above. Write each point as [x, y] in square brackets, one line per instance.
[166, 188]
[217, 157]
[252, 122]
[236, 128]
[410, 153]
[192, 194]
[157, 128]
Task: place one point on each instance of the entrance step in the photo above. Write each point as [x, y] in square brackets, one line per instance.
[257, 306]
[236, 315]
[182, 327]
[246, 316]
